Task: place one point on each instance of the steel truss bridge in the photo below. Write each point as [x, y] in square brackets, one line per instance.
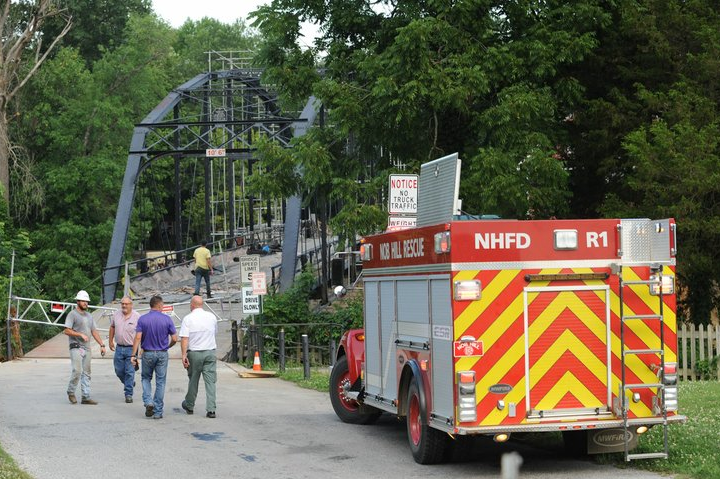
[219, 110]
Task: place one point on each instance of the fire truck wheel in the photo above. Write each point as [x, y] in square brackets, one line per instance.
[426, 443]
[347, 409]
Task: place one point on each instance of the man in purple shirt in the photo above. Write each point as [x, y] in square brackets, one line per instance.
[156, 334]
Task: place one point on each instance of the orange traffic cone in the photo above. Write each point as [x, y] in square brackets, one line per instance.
[256, 362]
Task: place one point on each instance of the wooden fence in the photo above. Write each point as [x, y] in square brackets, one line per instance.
[698, 352]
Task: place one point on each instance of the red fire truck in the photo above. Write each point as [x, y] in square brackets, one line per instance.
[496, 327]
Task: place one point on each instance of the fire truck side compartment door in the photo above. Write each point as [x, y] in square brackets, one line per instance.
[441, 347]
[372, 337]
[388, 334]
[413, 310]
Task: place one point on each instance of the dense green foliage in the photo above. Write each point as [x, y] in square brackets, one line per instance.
[558, 109]
[293, 312]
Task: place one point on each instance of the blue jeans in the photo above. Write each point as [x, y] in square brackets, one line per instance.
[124, 369]
[199, 275]
[80, 363]
[154, 362]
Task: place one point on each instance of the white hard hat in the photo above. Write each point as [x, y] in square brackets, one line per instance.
[340, 291]
[82, 296]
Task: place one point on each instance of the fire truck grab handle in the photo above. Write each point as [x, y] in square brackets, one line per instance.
[673, 251]
[620, 250]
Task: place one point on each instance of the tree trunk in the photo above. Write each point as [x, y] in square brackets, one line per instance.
[4, 158]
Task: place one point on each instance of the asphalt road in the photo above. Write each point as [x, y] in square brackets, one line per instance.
[265, 428]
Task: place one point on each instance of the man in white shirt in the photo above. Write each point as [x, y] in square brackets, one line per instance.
[197, 341]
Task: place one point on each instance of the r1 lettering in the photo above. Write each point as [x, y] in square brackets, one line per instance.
[596, 240]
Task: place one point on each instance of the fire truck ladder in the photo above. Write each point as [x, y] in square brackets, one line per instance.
[624, 386]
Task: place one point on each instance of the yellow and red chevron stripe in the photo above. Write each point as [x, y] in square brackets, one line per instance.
[566, 359]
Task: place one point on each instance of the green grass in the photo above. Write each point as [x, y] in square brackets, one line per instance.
[8, 468]
[695, 445]
[319, 378]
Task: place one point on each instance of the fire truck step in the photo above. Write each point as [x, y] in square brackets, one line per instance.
[648, 455]
[643, 351]
[643, 316]
[643, 386]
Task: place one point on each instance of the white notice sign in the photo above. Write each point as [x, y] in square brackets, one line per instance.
[248, 265]
[259, 285]
[250, 301]
[403, 195]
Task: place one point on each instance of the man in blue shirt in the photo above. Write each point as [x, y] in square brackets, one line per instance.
[156, 334]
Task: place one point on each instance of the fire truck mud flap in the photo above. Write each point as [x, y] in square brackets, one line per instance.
[601, 441]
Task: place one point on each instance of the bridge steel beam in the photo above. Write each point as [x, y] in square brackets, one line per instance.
[293, 208]
[166, 132]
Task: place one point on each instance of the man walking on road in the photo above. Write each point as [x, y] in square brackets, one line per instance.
[156, 334]
[197, 341]
[122, 336]
[203, 267]
[79, 326]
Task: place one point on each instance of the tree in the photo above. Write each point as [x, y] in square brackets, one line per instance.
[21, 55]
[644, 137]
[79, 120]
[417, 80]
[196, 38]
[98, 25]
[321, 168]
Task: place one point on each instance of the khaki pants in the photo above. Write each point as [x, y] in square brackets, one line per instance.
[205, 363]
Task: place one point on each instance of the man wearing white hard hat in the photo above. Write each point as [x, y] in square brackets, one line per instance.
[79, 326]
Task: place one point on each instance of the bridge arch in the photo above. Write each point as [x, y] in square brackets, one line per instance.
[214, 110]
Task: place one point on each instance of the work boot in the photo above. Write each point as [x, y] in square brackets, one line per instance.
[88, 401]
[128, 399]
[149, 410]
[186, 408]
[72, 398]
[211, 414]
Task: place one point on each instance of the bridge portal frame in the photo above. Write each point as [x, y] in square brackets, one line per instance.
[157, 136]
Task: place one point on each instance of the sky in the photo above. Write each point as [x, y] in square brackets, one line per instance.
[175, 12]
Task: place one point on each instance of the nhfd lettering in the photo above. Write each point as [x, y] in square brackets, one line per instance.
[502, 240]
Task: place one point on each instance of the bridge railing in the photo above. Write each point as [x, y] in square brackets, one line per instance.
[163, 260]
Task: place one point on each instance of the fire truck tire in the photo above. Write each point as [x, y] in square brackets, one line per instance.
[426, 443]
[348, 410]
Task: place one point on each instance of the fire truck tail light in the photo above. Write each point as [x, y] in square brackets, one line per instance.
[566, 239]
[360, 336]
[366, 252]
[442, 242]
[467, 404]
[468, 290]
[467, 377]
[668, 285]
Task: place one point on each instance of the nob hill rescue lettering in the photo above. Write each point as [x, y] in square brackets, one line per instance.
[409, 248]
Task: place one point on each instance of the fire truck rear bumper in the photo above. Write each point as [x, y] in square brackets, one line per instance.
[565, 426]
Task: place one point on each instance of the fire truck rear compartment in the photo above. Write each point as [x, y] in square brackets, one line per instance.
[567, 351]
